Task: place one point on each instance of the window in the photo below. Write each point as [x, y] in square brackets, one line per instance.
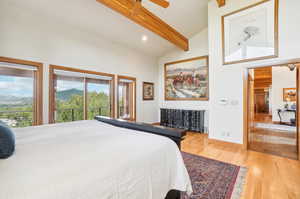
[126, 98]
[79, 95]
[20, 92]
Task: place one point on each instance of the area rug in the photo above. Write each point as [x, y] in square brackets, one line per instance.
[212, 179]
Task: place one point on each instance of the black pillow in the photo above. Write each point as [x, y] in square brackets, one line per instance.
[7, 141]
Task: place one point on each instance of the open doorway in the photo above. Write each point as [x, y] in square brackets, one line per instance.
[272, 111]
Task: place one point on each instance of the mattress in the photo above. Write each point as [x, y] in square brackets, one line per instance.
[91, 160]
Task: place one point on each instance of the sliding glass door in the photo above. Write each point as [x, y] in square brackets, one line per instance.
[126, 97]
[79, 95]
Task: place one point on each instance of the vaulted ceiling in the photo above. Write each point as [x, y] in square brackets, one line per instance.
[188, 17]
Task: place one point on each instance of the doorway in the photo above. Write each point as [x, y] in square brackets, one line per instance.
[126, 98]
[272, 110]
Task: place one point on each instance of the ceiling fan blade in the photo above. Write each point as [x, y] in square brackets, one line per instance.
[162, 3]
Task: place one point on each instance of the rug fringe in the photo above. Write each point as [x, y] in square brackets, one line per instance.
[239, 185]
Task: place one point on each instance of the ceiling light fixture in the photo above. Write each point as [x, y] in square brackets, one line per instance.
[291, 66]
[144, 38]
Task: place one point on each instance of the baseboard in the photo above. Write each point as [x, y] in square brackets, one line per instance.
[156, 123]
[225, 143]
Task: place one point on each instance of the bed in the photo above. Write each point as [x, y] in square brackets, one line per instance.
[91, 160]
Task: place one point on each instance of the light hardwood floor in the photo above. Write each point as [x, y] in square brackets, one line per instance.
[276, 142]
[269, 177]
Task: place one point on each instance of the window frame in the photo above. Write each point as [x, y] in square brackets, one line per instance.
[38, 87]
[52, 90]
[119, 77]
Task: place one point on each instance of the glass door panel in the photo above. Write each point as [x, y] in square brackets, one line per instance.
[98, 98]
[69, 98]
[126, 98]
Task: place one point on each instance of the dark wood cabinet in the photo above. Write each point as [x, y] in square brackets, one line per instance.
[191, 120]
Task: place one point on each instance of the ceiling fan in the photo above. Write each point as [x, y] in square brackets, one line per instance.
[138, 4]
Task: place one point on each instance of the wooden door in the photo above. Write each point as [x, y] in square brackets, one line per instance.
[251, 107]
[298, 112]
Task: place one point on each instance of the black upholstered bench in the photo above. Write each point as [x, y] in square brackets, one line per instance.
[177, 135]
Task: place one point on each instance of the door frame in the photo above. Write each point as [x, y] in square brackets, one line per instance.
[134, 100]
[246, 101]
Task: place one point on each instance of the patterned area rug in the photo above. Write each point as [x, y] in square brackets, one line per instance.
[212, 179]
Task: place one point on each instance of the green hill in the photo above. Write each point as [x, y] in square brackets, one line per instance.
[67, 94]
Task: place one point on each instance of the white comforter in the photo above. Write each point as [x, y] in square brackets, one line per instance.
[91, 160]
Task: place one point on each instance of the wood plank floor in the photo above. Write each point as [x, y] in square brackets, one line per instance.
[282, 143]
[269, 177]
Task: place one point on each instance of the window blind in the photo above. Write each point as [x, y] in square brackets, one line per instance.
[17, 70]
[17, 66]
[80, 75]
[125, 80]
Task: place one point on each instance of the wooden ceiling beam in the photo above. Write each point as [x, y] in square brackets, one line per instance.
[221, 2]
[148, 20]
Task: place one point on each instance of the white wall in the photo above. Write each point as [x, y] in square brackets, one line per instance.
[227, 81]
[198, 47]
[282, 77]
[24, 35]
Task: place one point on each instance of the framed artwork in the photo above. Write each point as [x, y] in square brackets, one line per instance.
[251, 33]
[289, 94]
[187, 79]
[148, 91]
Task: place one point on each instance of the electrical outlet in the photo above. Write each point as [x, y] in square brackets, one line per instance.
[226, 134]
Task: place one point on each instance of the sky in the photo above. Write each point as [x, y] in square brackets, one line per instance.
[67, 85]
[23, 87]
[16, 86]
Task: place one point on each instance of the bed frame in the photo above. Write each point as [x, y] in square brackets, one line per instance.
[177, 135]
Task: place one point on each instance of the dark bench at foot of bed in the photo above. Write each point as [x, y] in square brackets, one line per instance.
[177, 135]
[173, 194]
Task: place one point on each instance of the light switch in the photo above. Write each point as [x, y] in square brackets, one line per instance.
[223, 102]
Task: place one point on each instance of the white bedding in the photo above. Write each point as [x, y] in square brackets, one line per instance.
[91, 160]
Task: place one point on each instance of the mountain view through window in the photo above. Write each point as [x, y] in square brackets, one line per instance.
[70, 104]
[16, 98]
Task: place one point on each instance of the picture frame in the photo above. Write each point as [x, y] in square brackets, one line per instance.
[289, 94]
[148, 91]
[250, 33]
[187, 79]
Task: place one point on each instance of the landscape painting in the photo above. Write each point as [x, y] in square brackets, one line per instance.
[187, 79]
[289, 94]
